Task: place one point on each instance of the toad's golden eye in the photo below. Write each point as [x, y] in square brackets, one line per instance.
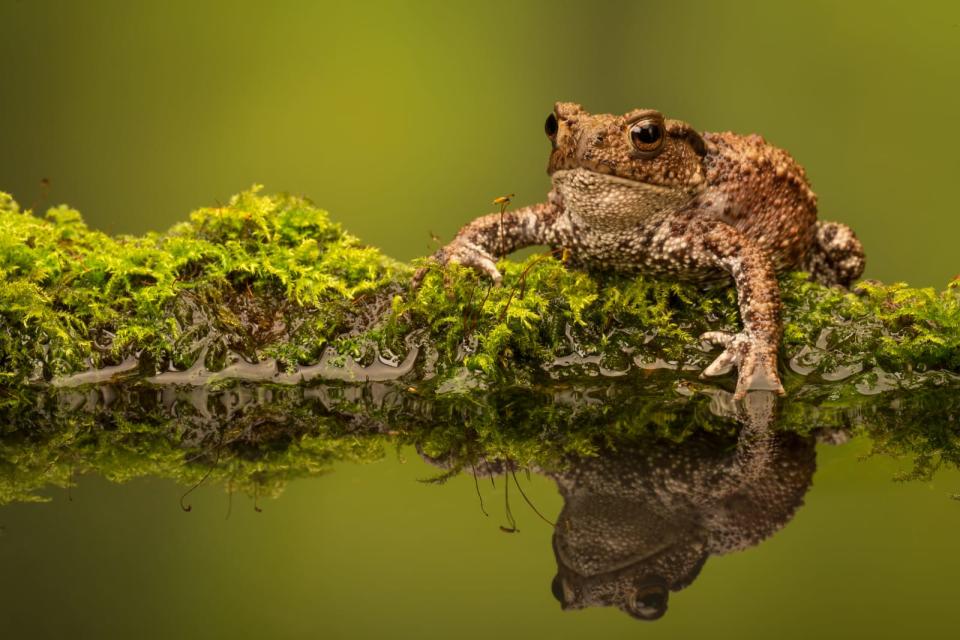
[647, 136]
[551, 127]
[648, 603]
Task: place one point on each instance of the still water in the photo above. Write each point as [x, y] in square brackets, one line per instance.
[352, 511]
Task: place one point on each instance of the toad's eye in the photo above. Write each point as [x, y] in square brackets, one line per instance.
[551, 126]
[647, 136]
[649, 603]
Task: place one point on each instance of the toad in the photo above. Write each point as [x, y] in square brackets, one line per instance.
[643, 193]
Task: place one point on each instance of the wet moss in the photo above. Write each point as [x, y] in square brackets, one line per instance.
[230, 279]
[555, 362]
[271, 278]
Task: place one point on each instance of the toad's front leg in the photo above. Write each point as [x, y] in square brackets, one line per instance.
[754, 350]
[480, 243]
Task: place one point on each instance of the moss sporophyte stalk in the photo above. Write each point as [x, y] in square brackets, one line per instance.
[263, 322]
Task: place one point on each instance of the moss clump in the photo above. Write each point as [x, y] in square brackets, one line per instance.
[269, 279]
[73, 298]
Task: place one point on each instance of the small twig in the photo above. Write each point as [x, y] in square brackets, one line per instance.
[475, 319]
[476, 484]
[510, 519]
[535, 510]
[504, 202]
[42, 197]
[216, 461]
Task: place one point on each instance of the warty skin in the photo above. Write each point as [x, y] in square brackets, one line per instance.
[642, 193]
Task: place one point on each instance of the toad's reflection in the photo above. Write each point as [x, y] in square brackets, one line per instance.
[641, 521]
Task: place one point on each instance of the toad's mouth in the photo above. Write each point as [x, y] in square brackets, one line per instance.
[611, 203]
[585, 588]
[615, 571]
[607, 175]
[601, 174]
[587, 179]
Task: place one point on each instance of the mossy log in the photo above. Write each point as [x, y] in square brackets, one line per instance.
[180, 355]
[268, 288]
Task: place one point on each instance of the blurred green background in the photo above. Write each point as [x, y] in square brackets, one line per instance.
[407, 118]
[403, 118]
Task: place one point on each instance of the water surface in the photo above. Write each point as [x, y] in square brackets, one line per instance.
[781, 532]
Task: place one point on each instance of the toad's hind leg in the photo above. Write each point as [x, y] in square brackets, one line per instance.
[836, 257]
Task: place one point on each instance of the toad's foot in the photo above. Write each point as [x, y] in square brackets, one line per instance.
[756, 362]
[466, 253]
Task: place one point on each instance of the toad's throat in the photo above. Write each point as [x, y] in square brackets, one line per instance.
[607, 202]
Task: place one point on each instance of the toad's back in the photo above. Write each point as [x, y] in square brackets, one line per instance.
[763, 192]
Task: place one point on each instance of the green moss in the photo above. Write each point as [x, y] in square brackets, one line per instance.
[71, 297]
[271, 277]
[554, 363]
